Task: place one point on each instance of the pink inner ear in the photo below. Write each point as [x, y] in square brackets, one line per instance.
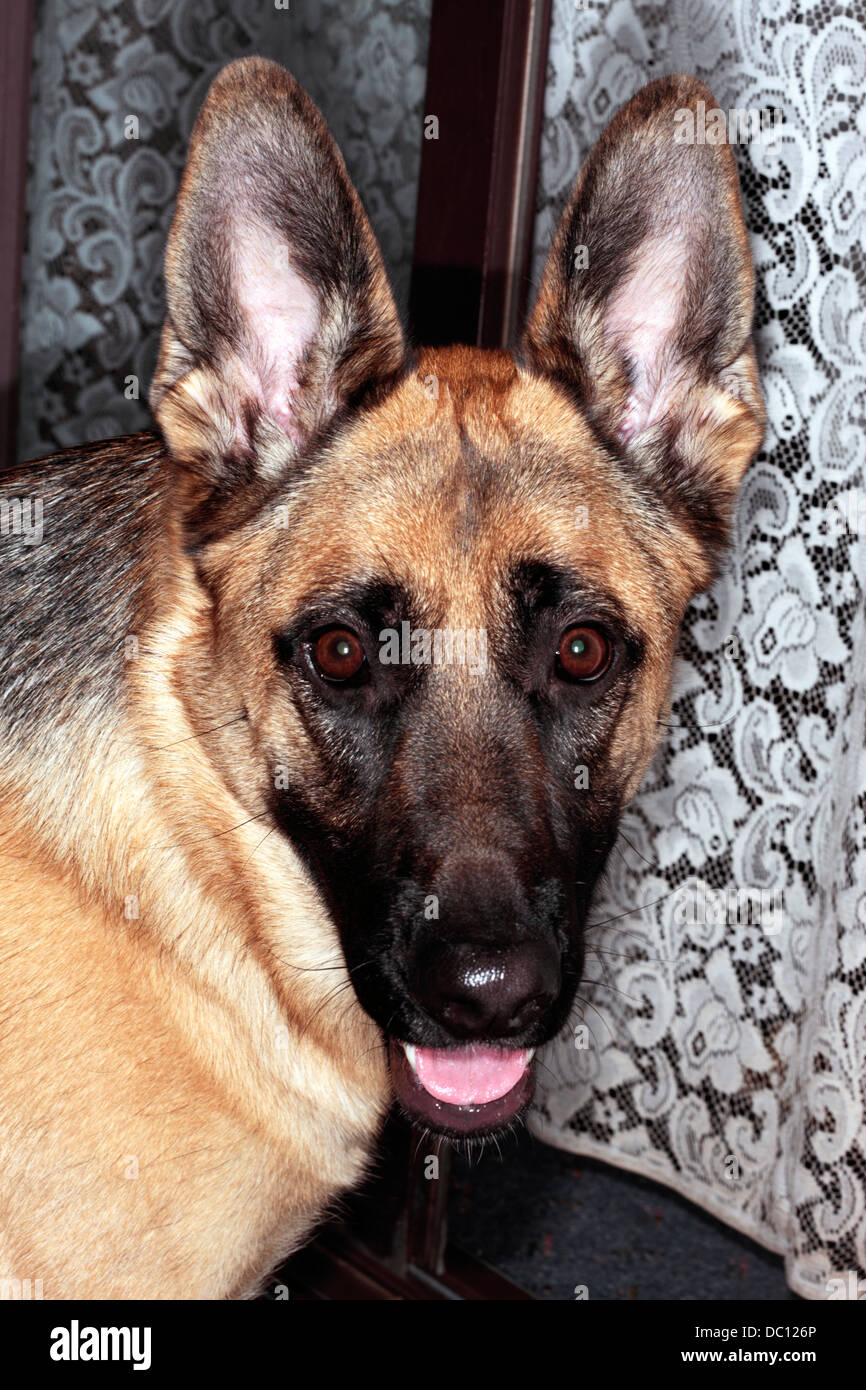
[642, 320]
[281, 313]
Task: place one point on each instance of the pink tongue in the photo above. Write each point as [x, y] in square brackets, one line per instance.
[471, 1075]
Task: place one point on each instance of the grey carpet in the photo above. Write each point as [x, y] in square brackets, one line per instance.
[550, 1221]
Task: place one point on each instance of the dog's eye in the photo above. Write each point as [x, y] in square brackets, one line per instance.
[583, 654]
[338, 655]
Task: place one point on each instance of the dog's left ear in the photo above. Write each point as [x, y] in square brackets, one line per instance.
[280, 317]
[645, 308]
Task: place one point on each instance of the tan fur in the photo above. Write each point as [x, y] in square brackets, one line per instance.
[188, 1079]
[222, 1022]
[162, 1066]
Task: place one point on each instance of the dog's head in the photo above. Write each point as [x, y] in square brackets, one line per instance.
[446, 587]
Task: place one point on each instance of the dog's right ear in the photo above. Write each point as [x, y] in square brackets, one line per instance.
[280, 317]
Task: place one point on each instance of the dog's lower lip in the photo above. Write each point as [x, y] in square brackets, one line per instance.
[472, 1118]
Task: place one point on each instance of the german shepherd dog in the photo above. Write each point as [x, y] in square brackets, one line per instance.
[263, 869]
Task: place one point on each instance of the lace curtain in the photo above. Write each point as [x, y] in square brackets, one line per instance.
[723, 1058]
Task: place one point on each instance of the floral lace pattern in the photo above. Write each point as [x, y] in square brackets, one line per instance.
[725, 1058]
[100, 204]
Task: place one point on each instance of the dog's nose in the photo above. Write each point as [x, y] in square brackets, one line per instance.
[477, 990]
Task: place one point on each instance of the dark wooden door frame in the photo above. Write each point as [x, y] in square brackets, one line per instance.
[470, 278]
[476, 193]
[16, 49]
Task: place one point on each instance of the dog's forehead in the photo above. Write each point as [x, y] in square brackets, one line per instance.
[469, 469]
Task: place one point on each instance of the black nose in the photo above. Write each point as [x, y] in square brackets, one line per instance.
[480, 991]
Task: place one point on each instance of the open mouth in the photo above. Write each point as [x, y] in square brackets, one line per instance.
[472, 1089]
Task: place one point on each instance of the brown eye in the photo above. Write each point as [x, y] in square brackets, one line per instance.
[338, 654]
[583, 654]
